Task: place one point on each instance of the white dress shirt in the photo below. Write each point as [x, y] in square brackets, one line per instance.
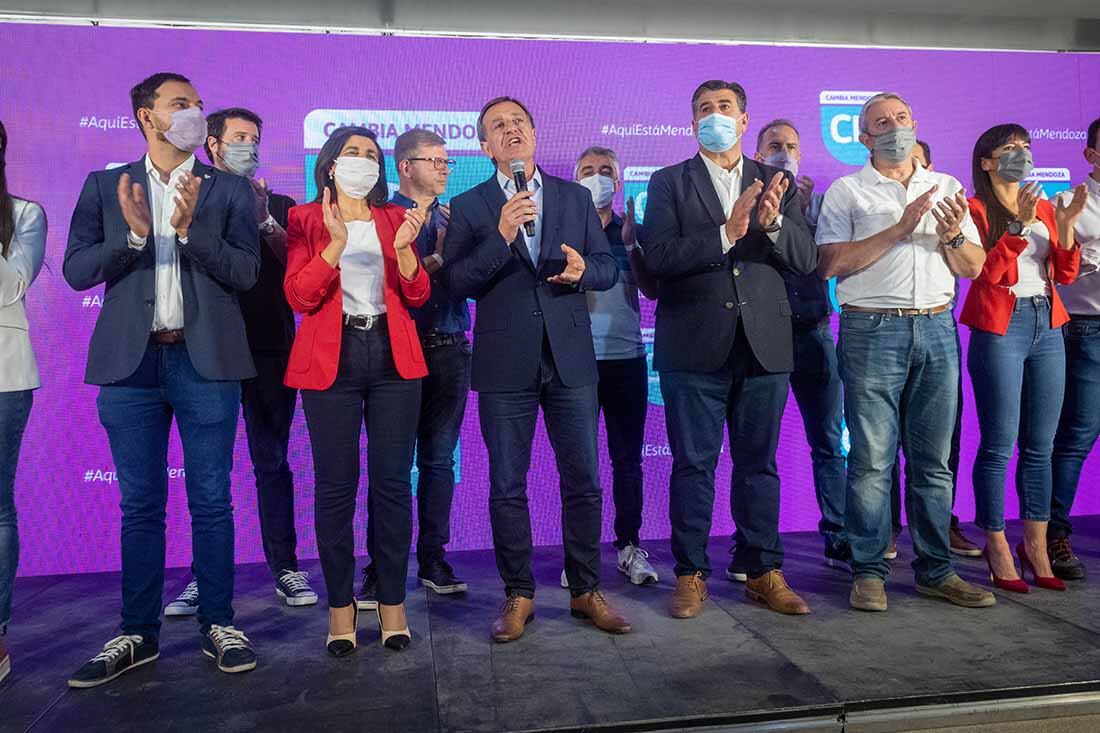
[26, 251]
[168, 310]
[363, 271]
[534, 244]
[1082, 298]
[1032, 264]
[727, 184]
[914, 272]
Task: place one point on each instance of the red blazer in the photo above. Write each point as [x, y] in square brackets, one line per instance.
[990, 303]
[313, 288]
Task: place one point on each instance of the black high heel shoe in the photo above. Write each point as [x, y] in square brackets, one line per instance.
[396, 640]
[342, 645]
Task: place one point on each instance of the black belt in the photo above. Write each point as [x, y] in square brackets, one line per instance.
[365, 323]
[436, 339]
[1075, 317]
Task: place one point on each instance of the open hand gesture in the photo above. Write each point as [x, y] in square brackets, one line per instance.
[187, 200]
[772, 201]
[409, 229]
[914, 212]
[574, 268]
[738, 223]
[135, 208]
[949, 214]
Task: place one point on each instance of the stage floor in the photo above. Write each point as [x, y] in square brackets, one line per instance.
[738, 663]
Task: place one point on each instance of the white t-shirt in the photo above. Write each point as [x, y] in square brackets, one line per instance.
[362, 271]
[1032, 264]
[1082, 298]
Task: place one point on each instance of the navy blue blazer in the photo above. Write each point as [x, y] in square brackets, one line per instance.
[701, 292]
[515, 304]
[221, 259]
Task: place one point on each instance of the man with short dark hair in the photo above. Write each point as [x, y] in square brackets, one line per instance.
[1080, 422]
[719, 227]
[232, 145]
[175, 241]
[527, 252]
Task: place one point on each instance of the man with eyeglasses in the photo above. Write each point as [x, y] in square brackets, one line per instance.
[422, 169]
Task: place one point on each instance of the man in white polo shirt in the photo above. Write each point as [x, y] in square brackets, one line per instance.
[1080, 422]
[895, 235]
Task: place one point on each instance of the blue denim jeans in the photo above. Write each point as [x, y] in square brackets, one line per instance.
[900, 376]
[15, 408]
[1018, 381]
[137, 413]
[1080, 421]
[815, 384]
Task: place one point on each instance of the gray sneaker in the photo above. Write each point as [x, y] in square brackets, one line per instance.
[868, 594]
[959, 592]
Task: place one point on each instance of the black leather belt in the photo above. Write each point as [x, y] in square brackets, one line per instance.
[436, 339]
[365, 323]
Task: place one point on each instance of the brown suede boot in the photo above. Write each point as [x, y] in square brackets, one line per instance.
[772, 590]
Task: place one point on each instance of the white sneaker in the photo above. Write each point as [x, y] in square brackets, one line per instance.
[5, 667]
[634, 563]
[186, 603]
[564, 580]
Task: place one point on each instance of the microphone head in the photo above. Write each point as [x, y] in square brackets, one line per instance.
[518, 166]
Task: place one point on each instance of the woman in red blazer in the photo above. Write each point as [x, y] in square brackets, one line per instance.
[1016, 358]
[353, 271]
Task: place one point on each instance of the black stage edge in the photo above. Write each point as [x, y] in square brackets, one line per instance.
[737, 667]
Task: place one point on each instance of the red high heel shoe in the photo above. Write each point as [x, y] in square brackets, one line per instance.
[1018, 585]
[1050, 583]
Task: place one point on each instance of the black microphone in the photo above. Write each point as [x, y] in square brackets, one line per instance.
[519, 175]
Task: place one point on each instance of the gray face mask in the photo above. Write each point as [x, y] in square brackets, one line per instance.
[241, 159]
[894, 146]
[1015, 165]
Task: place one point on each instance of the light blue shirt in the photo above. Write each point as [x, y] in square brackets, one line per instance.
[535, 184]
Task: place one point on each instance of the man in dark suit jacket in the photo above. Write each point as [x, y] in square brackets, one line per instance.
[718, 229]
[175, 241]
[532, 347]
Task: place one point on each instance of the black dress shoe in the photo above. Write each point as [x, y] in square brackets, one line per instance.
[1065, 564]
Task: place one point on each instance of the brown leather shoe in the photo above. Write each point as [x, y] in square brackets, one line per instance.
[771, 588]
[689, 596]
[594, 607]
[515, 613]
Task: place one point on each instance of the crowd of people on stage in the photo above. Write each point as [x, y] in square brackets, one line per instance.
[205, 268]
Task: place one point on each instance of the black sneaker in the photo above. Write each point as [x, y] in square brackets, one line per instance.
[293, 587]
[838, 555]
[1065, 564]
[230, 648]
[186, 603]
[367, 600]
[440, 577]
[119, 655]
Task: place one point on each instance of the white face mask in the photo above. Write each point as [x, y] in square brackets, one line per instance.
[355, 177]
[602, 189]
[783, 160]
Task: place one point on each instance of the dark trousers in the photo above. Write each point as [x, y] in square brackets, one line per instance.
[623, 393]
[442, 409]
[1079, 424]
[368, 390]
[749, 401]
[137, 413]
[508, 427]
[815, 383]
[268, 407]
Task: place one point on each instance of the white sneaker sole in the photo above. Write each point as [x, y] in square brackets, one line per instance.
[5, 668]
[310, 600]
[890, 556]
[649, 578]
[366, 605]
[232, 670]
[966, 553]
[444, 590]
[180, 610]
[82, 685]
[737, 577]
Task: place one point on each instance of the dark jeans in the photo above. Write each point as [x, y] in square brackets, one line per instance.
[442, 409]
[623, 393]
[15, 409]
[367, 389]
[268, 407]
[508, 427]
[137, 413]
[900, 379]
[1080, 421]
[1019, 379]
[750, 402]
[952, 461]
[815, 383]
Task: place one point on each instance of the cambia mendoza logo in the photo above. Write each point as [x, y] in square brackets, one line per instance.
[1052, 180]
[458, 128]
[840, 125]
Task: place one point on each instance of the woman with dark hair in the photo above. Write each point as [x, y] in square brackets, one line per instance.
[1017, 359]
[22, 249]
[353, 271]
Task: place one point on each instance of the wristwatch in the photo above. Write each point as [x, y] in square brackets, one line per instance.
[1017, 229]
[268, 225]
[955, 242]
[775, 226]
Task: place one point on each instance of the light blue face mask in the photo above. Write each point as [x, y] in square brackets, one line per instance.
[717, 132]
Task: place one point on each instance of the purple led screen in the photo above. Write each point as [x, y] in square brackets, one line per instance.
[64, 98]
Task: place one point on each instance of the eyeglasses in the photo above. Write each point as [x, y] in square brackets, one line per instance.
[438, 163]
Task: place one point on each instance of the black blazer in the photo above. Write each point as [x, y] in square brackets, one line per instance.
[515, 304]
[220, 259]
[701, 291]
